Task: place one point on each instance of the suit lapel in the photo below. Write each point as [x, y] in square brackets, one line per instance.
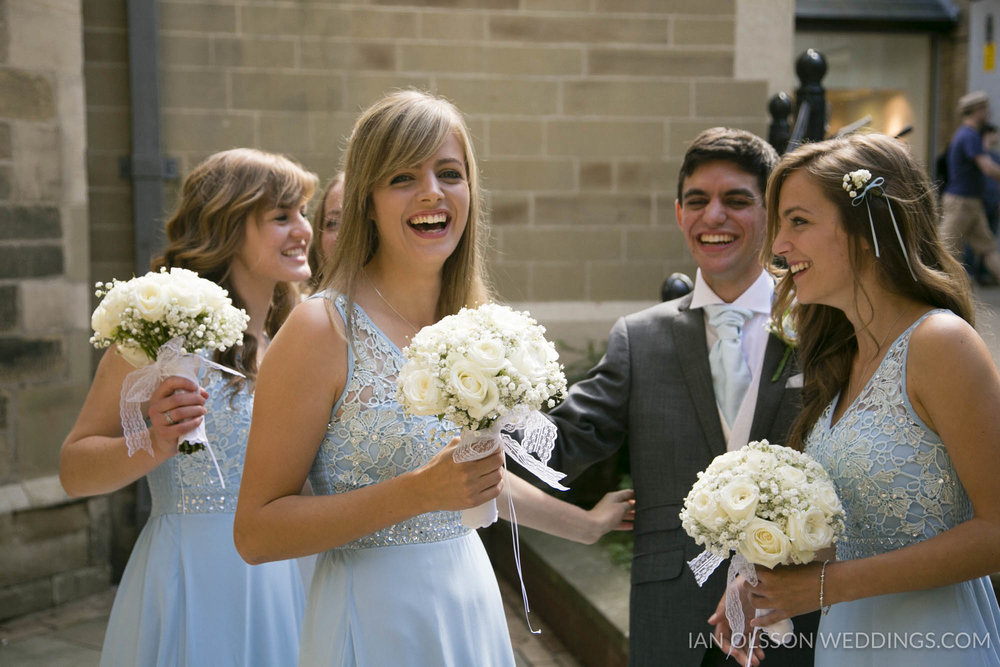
[770, 394]
[692, 351]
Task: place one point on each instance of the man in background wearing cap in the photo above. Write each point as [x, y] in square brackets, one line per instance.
[963, 217]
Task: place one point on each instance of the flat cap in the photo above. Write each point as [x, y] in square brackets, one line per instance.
[970, 101]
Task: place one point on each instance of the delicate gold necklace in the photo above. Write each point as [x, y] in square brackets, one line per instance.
[386, 302]
[880, 349]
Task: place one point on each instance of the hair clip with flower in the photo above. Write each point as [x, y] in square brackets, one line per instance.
[861, 179]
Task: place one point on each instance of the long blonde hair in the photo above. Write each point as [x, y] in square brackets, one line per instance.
[827, 341]
[208, 227]
[401, 130]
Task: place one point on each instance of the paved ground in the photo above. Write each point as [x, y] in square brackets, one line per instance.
[71, 635]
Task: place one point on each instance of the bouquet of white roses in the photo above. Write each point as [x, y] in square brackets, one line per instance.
[163, 317]
[771, 505]
[487, 370]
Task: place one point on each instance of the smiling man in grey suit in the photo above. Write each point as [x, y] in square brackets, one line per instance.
[655, 391]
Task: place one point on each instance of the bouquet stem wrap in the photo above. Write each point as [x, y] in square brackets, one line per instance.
[538, 437]
[780, 631]
[139, 385]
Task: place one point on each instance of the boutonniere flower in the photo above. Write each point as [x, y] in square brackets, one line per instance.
[786, 333]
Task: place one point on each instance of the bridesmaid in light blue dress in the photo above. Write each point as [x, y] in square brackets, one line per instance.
[899, 487]
[186, 597]
[399, 580]
[429, 572]
[900, 406]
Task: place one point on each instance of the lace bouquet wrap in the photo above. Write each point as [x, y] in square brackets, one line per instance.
[158, 321]
[769, 504]
[487, 370]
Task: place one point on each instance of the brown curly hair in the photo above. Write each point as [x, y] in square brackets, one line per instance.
[827, 341]
[207, 230]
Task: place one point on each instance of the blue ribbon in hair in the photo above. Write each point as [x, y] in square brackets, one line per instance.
[877, 183]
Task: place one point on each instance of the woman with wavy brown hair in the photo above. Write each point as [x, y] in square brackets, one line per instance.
[186, 597]
[900, 407]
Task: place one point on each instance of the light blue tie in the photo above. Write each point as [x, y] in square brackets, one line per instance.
[730, 373]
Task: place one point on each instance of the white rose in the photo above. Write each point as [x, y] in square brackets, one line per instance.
[739, 498]
[724, 462]
[421, 390]
[529, 358]
[474, 390]
[217, 299]
[508, 320]
[824, 497]
[189, 299]
[757, 461]
[764, 543]
[134, 355]
[151, 299]
[488, 354]
[704, 508]
[790, 476]
[809, 530]
[103, 322]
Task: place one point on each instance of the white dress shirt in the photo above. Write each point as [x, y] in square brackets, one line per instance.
[757, 299]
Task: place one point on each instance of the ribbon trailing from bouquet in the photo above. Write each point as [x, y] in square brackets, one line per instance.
[734, 609]
[139, 385]
[704, 565]
[538, 438]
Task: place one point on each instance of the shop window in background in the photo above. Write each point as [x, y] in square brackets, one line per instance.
[883, 75]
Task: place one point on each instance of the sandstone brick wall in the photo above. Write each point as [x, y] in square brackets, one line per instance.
[580, 109]
[51, 549]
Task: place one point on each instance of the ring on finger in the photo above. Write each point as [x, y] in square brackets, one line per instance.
[170, 420]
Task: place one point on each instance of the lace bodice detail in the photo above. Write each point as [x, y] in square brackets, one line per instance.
[892, 473]
[189, 483]
[370, 438]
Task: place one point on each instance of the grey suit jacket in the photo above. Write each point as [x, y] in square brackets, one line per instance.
[652, 392]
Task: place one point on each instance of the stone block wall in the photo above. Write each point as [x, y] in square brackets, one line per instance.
[580, 110]
[52, 549]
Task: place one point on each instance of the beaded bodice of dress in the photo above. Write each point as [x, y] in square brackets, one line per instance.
[892, 473]
[370, 438]
[189, 483]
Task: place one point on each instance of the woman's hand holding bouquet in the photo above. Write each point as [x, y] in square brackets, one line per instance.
[487, 370]
[771, 505]
[158, 321]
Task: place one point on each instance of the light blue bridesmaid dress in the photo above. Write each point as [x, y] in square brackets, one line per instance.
[186, 597]
[898, 487]
[421, 592]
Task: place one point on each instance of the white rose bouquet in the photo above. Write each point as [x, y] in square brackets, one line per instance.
[771, 505]
[158, 321]
[487, 370]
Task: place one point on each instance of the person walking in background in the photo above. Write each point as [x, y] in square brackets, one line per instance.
[399, 580]
[991, 205]
[325, 228]
[683, 382]
[186, 597]
[900, 408]
[963, 220]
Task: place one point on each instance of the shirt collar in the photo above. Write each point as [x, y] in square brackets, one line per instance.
[756, 298]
